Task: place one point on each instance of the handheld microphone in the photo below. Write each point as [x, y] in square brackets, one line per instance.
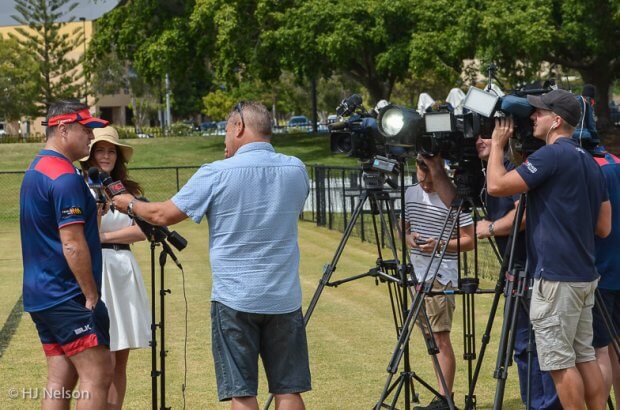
[112, 188]
[95, 184]
[153, 232]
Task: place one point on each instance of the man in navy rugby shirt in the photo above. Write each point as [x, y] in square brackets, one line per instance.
[567, 206]
[62, 261]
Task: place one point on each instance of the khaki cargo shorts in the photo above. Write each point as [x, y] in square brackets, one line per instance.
[561, 315]
[439, 308]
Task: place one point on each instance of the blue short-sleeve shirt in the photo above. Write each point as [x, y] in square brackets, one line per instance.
[608, 249]
[53, 195]
[497, 208]
[566, 189]
[252, 202]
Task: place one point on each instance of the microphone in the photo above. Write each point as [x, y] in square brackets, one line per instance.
[348, 105]
[153, 232]
[112, 188]
[95, 184]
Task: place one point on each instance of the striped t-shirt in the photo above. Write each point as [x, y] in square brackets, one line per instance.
[426, 214]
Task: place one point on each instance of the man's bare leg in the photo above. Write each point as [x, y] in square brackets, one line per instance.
[447, 361]
[61, 375]
[604, 363]
[244, 403]
[570, 389]
[95, 368]
[291, 401]
[595, 394]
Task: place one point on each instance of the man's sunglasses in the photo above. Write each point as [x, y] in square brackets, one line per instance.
[239, 109]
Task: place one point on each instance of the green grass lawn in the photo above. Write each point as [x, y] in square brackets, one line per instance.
[178, 151]
[351, 333]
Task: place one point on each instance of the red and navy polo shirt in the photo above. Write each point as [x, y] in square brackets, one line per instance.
[53, 195]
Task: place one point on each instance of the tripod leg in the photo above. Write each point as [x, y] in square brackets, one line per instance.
[329, 269]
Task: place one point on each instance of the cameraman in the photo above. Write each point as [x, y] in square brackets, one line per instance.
[500, 217]
[427, 205]
[567, 205]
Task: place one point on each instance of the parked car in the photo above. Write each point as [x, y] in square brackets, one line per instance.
[332, 118]
[2, 131]
[221, 128]
[300, 121]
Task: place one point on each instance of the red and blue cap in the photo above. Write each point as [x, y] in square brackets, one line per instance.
[82, 116]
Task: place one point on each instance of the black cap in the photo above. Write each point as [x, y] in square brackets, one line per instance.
[561, 102]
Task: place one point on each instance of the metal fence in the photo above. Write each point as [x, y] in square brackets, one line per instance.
[335, 192]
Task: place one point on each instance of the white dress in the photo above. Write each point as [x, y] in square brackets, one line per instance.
[122, 290]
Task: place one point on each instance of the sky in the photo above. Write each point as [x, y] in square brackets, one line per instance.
[89, 9]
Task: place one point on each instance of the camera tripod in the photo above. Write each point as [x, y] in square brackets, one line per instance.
[467, 286]
[514, 282]
[390, 271]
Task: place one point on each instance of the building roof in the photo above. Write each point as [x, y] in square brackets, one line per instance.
[89, 9]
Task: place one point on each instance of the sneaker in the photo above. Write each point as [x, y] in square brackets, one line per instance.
[438, 403]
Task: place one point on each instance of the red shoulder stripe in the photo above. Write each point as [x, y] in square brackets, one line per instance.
[53, 167]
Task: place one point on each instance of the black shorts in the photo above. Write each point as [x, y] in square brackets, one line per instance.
[611, 298]
[238, 339]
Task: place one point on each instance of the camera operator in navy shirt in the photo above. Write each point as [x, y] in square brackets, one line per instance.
[567, 206]
[498, 224]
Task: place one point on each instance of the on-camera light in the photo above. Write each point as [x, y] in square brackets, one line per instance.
[439, 122]
[480, 101]
[399, 125]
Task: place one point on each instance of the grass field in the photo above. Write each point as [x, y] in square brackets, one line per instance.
[351, 334]
[178, 151]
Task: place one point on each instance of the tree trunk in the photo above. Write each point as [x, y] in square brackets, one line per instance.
[378, 90]
[600, 76]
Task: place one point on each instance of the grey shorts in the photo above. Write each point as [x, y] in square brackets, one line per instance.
[239, 338]
[561, 315]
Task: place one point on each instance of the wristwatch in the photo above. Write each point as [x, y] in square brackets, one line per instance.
[492, 229]
[130, 208]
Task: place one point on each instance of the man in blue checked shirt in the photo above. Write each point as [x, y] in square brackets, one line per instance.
[252, 200]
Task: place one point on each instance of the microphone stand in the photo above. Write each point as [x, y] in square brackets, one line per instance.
[157, 236]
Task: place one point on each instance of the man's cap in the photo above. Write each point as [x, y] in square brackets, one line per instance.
[561, 102]
[109, 134]
[82, 116]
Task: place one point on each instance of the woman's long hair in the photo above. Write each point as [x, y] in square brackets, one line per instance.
[119, 172]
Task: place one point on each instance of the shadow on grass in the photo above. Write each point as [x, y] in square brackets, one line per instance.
[10, 326]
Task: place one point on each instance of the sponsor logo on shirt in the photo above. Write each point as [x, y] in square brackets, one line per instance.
[579, 149]
[530, 167]
[71, 211]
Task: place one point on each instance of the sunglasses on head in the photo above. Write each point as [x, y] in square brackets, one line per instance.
[239, 108]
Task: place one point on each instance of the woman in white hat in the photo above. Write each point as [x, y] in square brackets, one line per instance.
[122, 285]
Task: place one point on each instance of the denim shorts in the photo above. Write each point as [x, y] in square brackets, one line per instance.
[238, 338]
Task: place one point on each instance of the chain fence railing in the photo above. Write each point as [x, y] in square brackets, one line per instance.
[334, 195]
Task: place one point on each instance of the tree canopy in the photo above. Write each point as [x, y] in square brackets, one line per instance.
[58, 74]
[18, 81]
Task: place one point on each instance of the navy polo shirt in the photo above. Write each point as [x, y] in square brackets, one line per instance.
[566, 189]
[608, 249]
[53, 195]
[497, 208]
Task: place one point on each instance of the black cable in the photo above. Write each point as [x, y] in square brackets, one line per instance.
[184, 385]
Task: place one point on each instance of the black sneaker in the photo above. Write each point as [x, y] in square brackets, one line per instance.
[438, 403]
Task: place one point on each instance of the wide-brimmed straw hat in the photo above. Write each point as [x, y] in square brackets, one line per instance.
[109, 134]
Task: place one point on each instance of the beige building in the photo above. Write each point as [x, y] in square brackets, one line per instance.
[114, 108]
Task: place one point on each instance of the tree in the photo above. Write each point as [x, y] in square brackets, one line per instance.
[366, 40]
[18, 81]
[583, 35]
[217, 104]
[154, 37]
[57, 73]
